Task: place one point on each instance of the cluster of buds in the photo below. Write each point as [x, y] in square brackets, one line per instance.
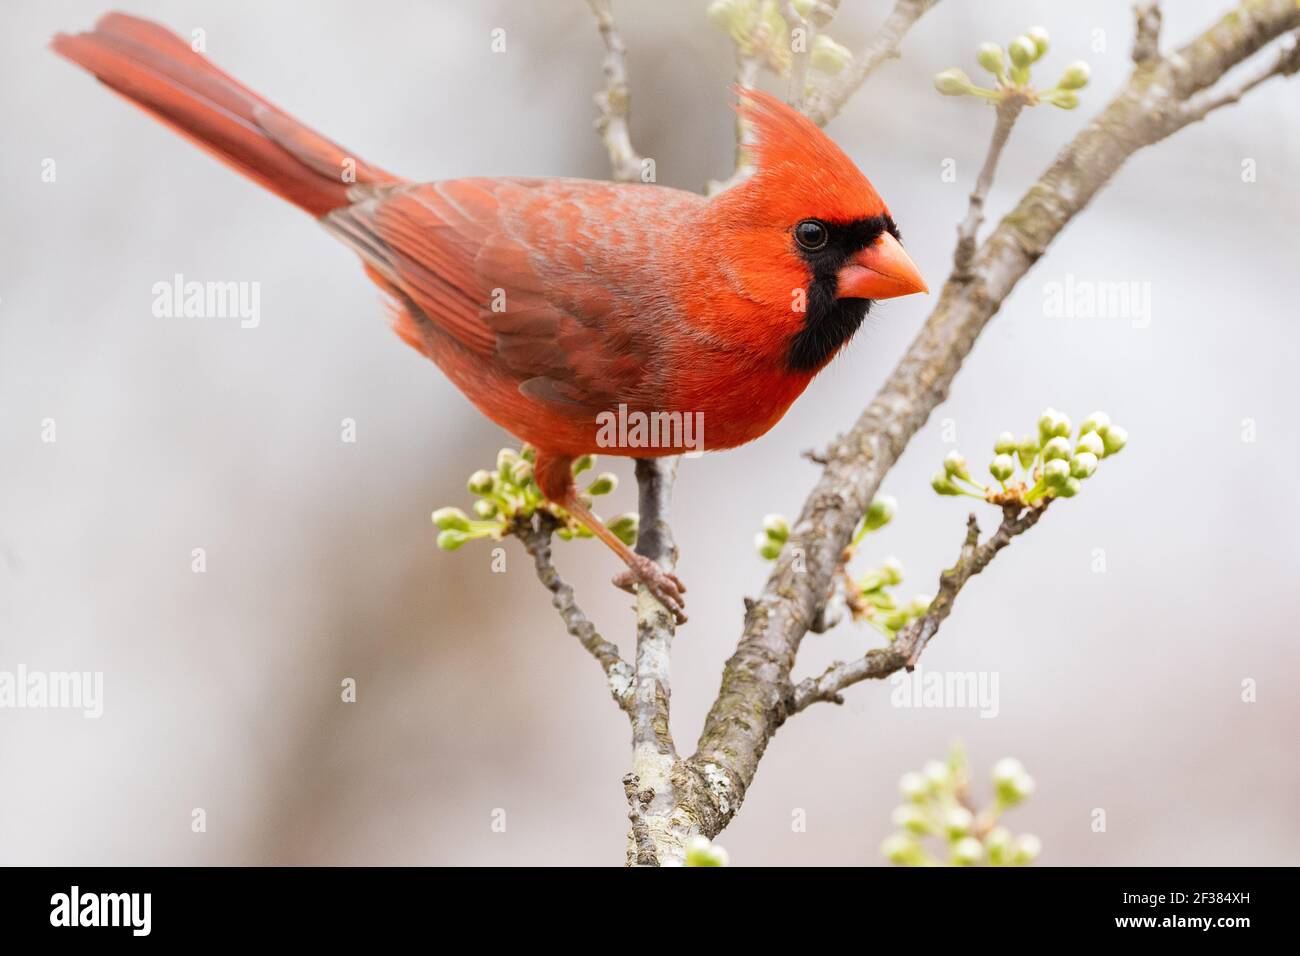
[509, 494]
[761, 33]
[938, 807]
[700, 852]
[871, 597]
[1052, 466]
[1010, 68]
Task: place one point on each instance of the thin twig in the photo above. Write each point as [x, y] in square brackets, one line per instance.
[535, 534]
[1286, 63]
[655, 625]
[911, 641]
[615, 100]
[801, 37]
[826, 102]
[1146, 41]
[747, 70]
[967, 233]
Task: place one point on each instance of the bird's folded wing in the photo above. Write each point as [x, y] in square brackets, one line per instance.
[519, 273]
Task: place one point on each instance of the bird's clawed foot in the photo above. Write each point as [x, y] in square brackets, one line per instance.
[666, 587]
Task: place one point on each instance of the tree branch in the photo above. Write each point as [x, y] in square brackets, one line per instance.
[825, 103]
[615, 100]
[654, 755]
[535, 534]
[911, 641]
[756, 686]
[822, 12]
[1007, 112]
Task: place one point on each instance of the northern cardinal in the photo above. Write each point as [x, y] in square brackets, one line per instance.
[551, 301]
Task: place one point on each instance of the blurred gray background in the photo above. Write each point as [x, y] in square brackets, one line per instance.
[1119, 690]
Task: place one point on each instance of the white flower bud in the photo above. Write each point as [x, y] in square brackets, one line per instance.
[967, 852]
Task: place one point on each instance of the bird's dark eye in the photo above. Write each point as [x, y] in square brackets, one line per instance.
[812, 234]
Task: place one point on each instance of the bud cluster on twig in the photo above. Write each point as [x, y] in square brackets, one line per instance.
[1051, 466]
[1011, 68]
[871, 595]
[938, 806]
[509, 494]
[761, 33]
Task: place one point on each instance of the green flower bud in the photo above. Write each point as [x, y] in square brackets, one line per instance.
[1096, 422]
[991, 57]
[506, 459]
[1026, 850]
[582, 464]
[451, 539]
[902, 850]
[767, 548]
[892, 571]
[485, 509]
[967, 851]
[1114, 439]
[1058, 447]
[625, 526]
[481, 482]
[828, 56]
[870, 587]
[603, 485]
[1083, 465]
[953, 82]
[1067, 489]
[1040, 38]
[1011, 782]
[909, 818]
[882, 511]
[564, 534]
[521, 472]
[1075, 76]
[936, 775]
[1008, 768]
[1063, 99]
[700, 852]
[1052, 423]
[954, 464]
[451, 519]
[1005, 445]
[1027, 450]
[732, 15]
[998, 844]
[1023, 51]
[776, 527]
[1090, 442]
[913, 786]
[957, 822]
[895, 620]
[943, 486]
[919, 604]
[528, 453]
[1056, 472]
[1002, 467]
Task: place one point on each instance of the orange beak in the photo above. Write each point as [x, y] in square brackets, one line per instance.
[880, 271]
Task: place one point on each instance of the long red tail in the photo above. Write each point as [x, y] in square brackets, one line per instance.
[160, 73]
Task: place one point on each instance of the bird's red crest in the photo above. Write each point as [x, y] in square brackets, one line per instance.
[799, 166]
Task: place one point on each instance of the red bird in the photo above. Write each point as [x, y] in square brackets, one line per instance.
[554, 303]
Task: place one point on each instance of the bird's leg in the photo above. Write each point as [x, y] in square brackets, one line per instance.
[554, 474]
[664, 585]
